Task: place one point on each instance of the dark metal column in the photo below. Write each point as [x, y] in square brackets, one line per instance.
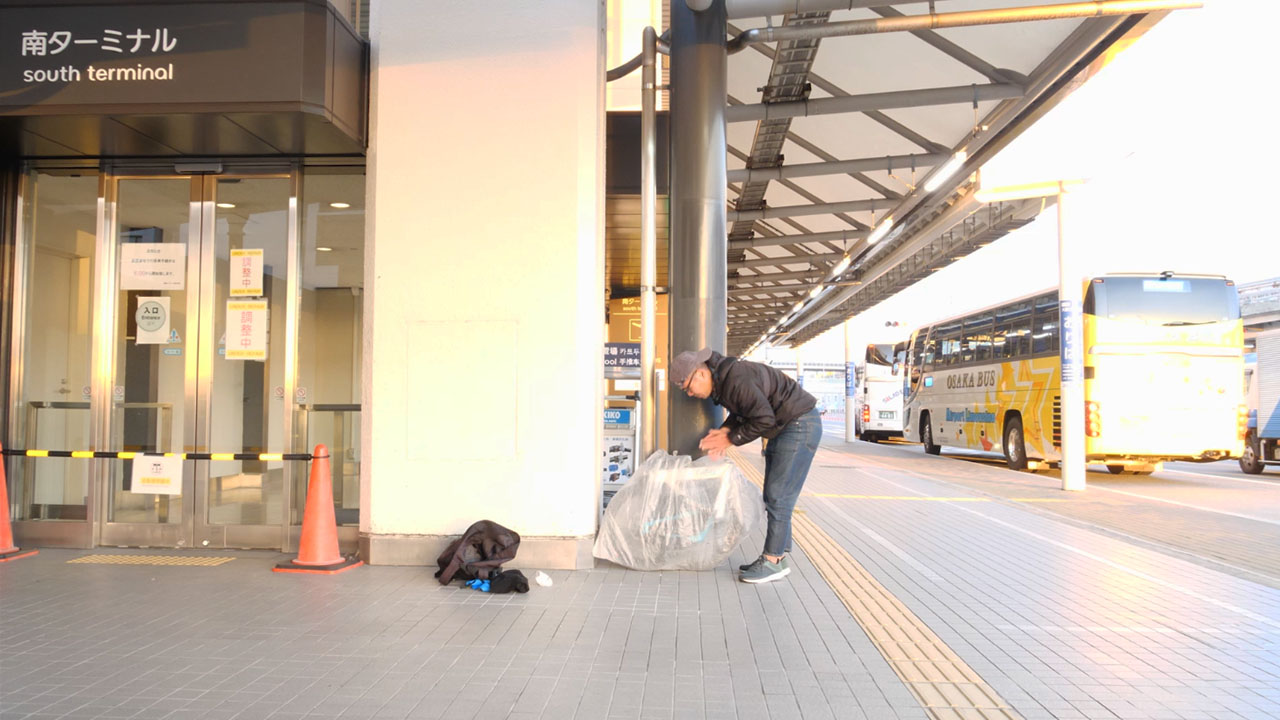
[699, 245]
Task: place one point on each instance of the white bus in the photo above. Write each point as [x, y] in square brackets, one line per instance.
[880, 392]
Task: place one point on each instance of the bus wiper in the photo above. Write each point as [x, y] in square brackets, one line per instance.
[1180, 323]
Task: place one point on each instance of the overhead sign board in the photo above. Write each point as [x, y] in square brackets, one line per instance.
[155, 52]
[185, 78]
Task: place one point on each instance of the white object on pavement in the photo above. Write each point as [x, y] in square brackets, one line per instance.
[542, 579]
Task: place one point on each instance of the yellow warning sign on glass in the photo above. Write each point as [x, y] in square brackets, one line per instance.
[246, 330]
[245, 273]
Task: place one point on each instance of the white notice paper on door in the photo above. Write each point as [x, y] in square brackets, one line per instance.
[153, 320]
[156, 475]
[246, 273]
[246, 330]
[153, 266]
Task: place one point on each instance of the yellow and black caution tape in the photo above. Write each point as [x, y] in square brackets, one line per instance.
[127, 455]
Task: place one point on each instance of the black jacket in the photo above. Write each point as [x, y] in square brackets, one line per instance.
[759, 398]
[479, 553]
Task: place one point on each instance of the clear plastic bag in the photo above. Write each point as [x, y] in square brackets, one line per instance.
[679, 514]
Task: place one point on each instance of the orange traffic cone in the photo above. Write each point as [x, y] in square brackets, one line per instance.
[318, 551]
[8, 551]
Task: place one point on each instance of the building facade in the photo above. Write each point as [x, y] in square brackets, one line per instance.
[246, 228]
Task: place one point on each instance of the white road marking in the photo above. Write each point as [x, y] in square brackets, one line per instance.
[1095, 486]
[1223, 477]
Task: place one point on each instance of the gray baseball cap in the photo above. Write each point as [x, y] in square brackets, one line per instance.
[686, 362]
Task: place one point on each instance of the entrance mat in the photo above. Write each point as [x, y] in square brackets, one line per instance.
[150, 560]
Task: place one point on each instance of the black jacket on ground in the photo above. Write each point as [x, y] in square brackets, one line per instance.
[759, 398]
[479, 553]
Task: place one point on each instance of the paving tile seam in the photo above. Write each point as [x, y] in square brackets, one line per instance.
[914, 652]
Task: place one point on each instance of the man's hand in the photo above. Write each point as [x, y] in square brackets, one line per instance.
[716, 442]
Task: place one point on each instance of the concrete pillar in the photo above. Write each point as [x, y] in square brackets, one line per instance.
[484, 278]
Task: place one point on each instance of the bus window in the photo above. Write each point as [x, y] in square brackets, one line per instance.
[949, 349]
[948, 342]
[1168, 301]
[1013, 331]
[1044, 328]
[977, 337]
[930, 352]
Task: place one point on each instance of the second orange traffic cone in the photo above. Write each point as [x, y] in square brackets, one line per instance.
[318, 549]
[8, 551]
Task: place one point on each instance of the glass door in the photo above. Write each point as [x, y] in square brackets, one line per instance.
[198, 360]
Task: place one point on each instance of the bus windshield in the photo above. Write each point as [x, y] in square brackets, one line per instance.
[1168, 301]
[880, 355]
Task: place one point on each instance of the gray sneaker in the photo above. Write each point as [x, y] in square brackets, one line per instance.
[763, 571]
[753, 563]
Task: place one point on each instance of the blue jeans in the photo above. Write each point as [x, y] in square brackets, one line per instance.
[787, 458]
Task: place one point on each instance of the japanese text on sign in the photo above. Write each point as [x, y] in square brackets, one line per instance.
[1069, 317]
[246, 330]
[246, 273]
[41, 43]
[156, 475]
[621, 359]
[152, 266]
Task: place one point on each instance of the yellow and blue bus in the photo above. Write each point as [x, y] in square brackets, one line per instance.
[1163, 362]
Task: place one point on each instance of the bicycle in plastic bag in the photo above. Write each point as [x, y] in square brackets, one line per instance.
[679, 514]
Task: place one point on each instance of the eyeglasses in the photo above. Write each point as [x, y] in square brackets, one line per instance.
[687, 382]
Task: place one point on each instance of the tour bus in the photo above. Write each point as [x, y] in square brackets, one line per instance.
[880, 392]
[1163, 363]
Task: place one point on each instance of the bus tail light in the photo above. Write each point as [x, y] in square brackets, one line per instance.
[866, 413]
[1092, 421]
[1242, 421]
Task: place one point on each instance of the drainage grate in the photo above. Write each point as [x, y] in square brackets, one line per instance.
[150, 560]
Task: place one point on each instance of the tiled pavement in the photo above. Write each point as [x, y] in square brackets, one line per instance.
[1061, 621]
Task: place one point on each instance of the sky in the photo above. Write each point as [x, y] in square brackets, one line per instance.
[1174, 139]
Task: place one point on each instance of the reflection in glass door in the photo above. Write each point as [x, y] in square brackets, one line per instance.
[50, 384]
[198, 359]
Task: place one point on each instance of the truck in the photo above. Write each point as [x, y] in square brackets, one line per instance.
[1262, 392]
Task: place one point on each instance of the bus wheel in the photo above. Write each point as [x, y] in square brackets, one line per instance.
[1015, 451]
[1115, 469]
[926, 436]
[1250, 461]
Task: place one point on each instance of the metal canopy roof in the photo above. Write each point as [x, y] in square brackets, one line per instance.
[827, 138]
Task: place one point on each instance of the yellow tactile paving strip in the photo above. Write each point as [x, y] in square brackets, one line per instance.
[945, 685]
[150, 560]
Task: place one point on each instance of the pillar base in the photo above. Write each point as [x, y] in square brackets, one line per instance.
[544, 553]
